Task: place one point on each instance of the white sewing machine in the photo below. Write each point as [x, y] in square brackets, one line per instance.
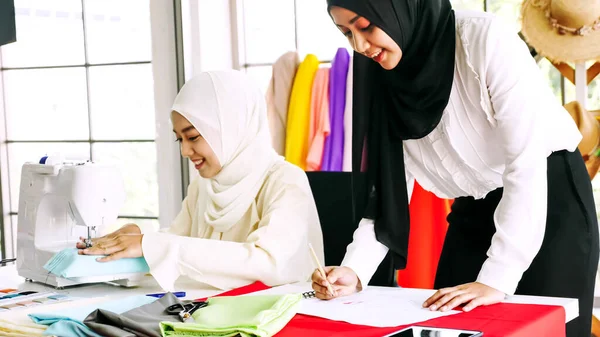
[58, 203]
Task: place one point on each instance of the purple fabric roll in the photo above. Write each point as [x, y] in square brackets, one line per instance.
[333, 153]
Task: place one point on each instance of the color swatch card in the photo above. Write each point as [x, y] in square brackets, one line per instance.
[26, 299]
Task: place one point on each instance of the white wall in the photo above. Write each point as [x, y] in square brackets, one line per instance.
[209, 39]
[164, 67]
[207, 35]
[9, 230]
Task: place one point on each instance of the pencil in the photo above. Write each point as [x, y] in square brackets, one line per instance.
[321, 270]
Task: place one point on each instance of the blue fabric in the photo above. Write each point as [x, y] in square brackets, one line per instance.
[69, 328]
[70, 321]
[67, 263]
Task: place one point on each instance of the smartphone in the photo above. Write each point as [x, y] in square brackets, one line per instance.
[424, 331]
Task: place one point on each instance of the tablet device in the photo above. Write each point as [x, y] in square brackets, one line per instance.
[424, 331]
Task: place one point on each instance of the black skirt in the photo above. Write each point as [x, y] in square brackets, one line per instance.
[567, 262]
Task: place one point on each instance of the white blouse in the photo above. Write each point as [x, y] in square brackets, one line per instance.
[500, 125]
[269, 243]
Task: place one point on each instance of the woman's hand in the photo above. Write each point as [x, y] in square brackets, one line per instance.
[475, 294]
[124, 242]
[343, 281]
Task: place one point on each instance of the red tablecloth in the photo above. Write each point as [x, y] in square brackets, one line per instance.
[503, 319]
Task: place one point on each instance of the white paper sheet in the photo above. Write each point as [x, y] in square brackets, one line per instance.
[373, 306]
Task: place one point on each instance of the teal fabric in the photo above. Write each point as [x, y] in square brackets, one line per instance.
[67, 263]
[70, 321]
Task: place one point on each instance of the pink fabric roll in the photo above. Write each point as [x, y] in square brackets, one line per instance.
[319, 127]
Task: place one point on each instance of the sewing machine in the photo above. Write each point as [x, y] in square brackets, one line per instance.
[59, 202]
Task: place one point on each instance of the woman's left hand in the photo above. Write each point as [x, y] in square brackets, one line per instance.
[115, 247]
[475, 294]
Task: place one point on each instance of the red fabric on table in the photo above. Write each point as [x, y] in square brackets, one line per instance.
[498, 320]
[247, 289]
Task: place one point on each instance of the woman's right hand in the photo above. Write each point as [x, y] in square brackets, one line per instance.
[129, 228]
[343, 281]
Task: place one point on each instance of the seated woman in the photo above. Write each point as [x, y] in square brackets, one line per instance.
[249, 216]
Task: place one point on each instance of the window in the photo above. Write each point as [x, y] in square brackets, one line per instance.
[593, 93]
[553, 77]
[266, 37]
[476, 5]
[508, 10]
[78, 81]
[306, 27]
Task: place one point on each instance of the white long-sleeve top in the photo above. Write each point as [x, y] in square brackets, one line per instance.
[500, 125]
[269, 243]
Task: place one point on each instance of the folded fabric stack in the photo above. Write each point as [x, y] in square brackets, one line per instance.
[17, 323]
[20, 329]
[247, 316]
[141, 321]
[140, 315]
[70, 320]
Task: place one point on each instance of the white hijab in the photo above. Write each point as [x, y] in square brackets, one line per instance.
[229, 111]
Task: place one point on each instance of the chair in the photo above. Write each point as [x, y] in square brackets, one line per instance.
[339, 217]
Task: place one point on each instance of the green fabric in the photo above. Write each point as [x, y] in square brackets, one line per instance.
[248, 316]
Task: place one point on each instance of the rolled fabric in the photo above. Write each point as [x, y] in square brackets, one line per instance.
[319, 127]
[333, 157]
[296, 138]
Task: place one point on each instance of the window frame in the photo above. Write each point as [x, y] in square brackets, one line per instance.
[166, 68]
[240, 44]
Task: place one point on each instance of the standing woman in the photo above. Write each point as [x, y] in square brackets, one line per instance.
[455, 101]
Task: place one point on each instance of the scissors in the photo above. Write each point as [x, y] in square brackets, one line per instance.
[185, 309]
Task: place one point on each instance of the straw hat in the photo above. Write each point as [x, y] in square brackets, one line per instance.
[563, 30]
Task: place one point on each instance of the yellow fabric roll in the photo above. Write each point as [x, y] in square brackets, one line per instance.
[296, 142]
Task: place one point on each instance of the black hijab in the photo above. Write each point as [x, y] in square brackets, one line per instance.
[406, 102]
